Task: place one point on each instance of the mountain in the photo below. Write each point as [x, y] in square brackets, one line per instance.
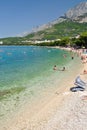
[71, 24]
[75, 17]
[78, 13]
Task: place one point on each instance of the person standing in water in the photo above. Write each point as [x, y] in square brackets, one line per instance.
[63, 69]
[55, 67]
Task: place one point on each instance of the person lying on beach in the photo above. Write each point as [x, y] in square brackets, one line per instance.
[84, 60]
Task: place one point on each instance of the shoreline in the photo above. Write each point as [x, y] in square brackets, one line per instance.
[47, 113]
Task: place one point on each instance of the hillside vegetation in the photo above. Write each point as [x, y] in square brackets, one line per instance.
[66, 28]
[61, 30]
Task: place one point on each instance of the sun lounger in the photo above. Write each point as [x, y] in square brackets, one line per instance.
[79, 82]
[80, 85]
[77, 88]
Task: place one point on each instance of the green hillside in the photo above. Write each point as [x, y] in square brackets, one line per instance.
[66, 28]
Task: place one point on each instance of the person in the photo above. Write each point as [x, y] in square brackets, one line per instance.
[64, 55]
[85, 72]
[63, 69]
[83, 58]
[55, 67]
[72, 57]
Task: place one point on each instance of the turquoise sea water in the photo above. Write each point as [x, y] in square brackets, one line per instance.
[20, 65]
[27, 71]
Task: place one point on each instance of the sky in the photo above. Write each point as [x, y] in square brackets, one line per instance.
[20, 16]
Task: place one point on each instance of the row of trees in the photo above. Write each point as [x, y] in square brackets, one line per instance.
[66, 41]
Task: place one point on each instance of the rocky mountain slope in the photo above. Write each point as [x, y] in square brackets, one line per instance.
[78, 13]
[71, 24]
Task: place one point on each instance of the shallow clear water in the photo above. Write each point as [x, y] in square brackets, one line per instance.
[27, 71]
[21, 64]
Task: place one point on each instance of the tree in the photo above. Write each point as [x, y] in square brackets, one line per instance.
[65, 41]
[83, 39]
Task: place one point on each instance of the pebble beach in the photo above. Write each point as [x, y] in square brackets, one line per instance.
[62, 110]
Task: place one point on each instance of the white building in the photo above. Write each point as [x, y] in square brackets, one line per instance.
[1, 42]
